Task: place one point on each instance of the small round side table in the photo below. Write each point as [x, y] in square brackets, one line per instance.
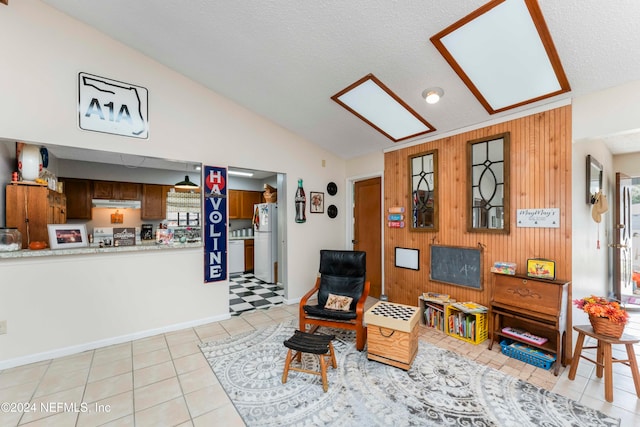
[605, 360]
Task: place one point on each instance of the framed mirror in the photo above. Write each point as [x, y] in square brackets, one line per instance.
[488, 184]
[595, 172]
[423, 191]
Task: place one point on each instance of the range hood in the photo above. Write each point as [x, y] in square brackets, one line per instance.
[116, 204]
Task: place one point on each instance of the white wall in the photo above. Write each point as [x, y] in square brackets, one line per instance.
[628, 164]
[53, 305]
[609, 112]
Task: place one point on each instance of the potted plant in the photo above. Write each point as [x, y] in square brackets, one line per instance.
[606, 317]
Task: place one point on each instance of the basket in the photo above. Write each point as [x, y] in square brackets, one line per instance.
[527, 354]
[602, 326]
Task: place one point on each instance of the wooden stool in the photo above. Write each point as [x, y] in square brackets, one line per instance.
[605, 359]
[303, 342]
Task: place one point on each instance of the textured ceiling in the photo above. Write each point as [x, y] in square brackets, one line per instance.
[284, 59]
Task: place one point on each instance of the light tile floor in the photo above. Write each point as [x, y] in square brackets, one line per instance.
[164, 380]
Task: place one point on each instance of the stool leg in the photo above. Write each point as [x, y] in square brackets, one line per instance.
[576, 356]
[608, 372]
[323, 373]
[287, 362]
[599, 358]
[333, 356]
[633, 364]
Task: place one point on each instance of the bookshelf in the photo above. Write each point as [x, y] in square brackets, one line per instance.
[432, 312]
[466, 326]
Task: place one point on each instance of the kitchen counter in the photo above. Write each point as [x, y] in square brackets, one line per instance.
[27, 253]
[241, 238]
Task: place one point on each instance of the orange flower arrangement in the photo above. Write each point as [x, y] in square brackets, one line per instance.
[601, 307]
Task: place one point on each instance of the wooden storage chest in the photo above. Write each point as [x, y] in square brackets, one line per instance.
[392, 333]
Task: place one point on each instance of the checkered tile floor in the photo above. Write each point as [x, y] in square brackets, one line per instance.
[247, 292]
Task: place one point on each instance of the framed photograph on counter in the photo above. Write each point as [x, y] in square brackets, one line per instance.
[64, 236]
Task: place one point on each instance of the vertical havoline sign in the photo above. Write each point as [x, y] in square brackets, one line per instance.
[111, 106]
[215, 224]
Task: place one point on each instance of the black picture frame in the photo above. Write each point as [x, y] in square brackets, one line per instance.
[316, 204]
[594, 177]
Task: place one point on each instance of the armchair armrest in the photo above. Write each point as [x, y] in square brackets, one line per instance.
[362, 300]
[308, 295]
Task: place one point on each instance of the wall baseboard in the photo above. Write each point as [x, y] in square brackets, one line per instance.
[66, 351]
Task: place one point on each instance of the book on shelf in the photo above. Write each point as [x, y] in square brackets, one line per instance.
[470, 307]
[436, 297]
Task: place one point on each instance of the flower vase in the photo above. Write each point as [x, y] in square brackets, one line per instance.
[603, 326]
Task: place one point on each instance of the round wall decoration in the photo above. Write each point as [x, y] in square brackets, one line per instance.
[332, 211]
[332, 188]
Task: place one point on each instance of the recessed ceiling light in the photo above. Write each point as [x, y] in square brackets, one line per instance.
[432, 95]
[378, 106]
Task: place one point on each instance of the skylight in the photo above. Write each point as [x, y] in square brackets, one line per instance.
[505, 55]
[377, 105]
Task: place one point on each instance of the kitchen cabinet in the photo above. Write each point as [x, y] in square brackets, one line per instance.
[248, 254]
[116, 190]
[248, 199]
[537, 306]
[78, 194]
[241, 203]
[154, 201]
[30, 208]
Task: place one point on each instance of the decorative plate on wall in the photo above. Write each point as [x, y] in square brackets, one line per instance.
[332, 211]
[332, 188]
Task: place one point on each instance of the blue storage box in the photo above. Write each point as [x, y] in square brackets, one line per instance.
[530, 355]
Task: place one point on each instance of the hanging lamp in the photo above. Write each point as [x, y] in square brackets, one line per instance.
[186, 183]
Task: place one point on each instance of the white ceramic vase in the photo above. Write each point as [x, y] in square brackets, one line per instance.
[30, 162]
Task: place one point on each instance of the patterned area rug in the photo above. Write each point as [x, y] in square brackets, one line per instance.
[441, 388]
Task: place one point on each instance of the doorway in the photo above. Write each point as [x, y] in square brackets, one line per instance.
[626, 245]
[367, 228]
[247, 289]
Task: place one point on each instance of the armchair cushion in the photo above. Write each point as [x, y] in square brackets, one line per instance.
[341, 273]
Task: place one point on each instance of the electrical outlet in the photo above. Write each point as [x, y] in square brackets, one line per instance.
[3, 327]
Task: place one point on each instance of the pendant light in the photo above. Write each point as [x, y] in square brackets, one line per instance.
[186, 184]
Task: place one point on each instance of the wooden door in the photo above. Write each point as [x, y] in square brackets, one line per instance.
[622, 251]
[367, 225]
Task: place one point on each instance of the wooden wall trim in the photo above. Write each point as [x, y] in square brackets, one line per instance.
[540, 178]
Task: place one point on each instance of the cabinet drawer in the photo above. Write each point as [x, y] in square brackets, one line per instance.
[528, 294]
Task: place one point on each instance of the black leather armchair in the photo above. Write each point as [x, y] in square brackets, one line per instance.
[341, 273]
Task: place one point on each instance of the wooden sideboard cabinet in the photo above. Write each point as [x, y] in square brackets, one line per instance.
[538, 306]
[30, 208]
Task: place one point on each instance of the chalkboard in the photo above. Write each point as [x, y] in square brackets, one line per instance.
[457, 266]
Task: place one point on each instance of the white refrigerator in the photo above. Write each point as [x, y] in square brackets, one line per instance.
[265, 238]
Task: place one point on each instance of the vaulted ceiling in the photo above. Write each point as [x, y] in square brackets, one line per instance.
[284, 59]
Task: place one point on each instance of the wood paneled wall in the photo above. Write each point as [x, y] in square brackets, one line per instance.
[540, 178]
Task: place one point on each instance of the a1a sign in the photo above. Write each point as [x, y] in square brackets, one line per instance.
[111, 106]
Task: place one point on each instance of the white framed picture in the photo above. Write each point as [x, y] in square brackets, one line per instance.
[64, 236]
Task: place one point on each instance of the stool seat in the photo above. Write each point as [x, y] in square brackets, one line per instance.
[309, 343]
[318, 344]
[605, 359]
